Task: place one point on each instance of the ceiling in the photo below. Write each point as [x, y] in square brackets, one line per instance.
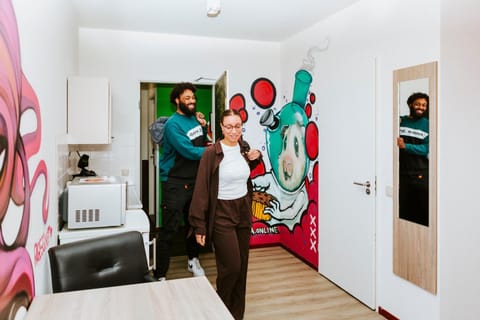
[264, 20]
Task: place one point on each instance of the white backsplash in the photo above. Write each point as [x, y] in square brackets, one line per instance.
[63, 163]
[115, 159]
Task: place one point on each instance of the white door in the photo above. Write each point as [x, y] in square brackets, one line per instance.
[220, 94]
[346, 102]
[153, 169]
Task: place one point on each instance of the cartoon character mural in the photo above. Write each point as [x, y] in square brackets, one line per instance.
[284, 185]
[286, 194]
[19, 111]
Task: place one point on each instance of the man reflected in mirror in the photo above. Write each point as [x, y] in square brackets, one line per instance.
[413, 144]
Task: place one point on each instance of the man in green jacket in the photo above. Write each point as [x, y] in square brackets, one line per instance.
[184, 139]
[414, 146]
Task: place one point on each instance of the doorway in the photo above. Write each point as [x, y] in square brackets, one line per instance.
[154, 103]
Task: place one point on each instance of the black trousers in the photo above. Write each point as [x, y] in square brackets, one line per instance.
[231, 240]
[413, 198]
[176, 198]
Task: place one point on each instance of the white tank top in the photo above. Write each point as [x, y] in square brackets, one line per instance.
[233, 174]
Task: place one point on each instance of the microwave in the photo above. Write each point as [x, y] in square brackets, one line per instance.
[94, 202]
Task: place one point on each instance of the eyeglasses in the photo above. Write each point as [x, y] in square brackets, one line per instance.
[230, 128]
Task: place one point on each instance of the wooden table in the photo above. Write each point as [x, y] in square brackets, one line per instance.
[189, 298]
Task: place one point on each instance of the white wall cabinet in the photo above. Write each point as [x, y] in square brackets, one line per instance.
[88, 110]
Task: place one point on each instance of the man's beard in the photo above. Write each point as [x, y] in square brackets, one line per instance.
[415, 115]
[186, 110]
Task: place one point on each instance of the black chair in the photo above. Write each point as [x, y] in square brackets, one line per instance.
[113, 260]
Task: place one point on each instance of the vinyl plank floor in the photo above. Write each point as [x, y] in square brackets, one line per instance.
[281, 286]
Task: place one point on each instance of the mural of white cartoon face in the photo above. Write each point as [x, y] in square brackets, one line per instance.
[292, 158]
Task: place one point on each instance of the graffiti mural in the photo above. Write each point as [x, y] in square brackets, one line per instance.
[285, 198]
[20, 139]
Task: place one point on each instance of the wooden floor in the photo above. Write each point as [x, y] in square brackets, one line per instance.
[280, 286]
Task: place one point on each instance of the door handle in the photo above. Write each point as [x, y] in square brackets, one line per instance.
[365, 184]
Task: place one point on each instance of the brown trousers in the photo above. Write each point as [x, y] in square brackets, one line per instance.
[231, 240]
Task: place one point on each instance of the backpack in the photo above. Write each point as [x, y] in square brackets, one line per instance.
[156, 130]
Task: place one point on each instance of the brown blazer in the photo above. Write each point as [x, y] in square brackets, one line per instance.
[204, 199]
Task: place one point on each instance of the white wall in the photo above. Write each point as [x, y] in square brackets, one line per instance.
[128, 58]
[381, 28]
[48, 45]
[459, 132]
[399, 33]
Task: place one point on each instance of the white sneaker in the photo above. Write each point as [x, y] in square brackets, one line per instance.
[195, 267]
[162, 279]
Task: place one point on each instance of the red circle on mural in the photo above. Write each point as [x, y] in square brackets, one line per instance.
[243, 114]
[311, 139]
[237, 102]
[308, 110]
[263, 92]
[312, 98]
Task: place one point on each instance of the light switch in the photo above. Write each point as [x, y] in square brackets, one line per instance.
[389, 191]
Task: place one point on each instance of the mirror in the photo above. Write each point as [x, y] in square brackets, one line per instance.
[414, 177]
[413, 147]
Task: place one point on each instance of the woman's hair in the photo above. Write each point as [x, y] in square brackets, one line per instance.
[228, 113]
[178, 89]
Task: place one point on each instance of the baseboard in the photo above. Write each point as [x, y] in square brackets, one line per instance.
[386, 314]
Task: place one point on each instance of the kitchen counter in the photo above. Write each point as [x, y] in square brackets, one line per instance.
[135, 220]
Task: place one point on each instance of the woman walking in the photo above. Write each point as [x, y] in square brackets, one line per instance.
[221, 208]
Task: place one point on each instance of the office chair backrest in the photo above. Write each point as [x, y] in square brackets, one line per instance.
[112, 260]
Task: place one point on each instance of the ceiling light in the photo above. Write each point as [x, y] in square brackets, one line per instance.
[213, 8]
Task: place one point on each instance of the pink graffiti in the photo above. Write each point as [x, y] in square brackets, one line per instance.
[17, 97]
[41, 246]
